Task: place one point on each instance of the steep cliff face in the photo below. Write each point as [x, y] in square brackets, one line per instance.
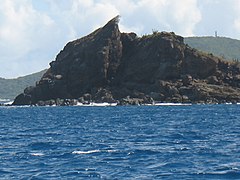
[88, 62]
[110, 66]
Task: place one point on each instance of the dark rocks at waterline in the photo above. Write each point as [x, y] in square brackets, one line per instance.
[114, 67]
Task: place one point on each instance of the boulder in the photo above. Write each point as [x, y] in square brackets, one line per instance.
[22, 99]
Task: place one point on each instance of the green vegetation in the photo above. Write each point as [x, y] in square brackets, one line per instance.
[226, 48]
[10, 88]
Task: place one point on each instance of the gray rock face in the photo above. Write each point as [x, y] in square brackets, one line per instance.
[110, 66]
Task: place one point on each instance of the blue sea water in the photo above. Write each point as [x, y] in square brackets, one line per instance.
[132, 142]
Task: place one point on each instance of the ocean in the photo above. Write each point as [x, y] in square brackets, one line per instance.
[121, 142]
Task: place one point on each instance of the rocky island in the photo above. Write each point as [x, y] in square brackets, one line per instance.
[114, 67]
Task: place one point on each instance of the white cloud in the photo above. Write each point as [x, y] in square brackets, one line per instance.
[33, 32]
[169, 15]
[22, 30]
[237, 19]
[30, 37]
[220, 16]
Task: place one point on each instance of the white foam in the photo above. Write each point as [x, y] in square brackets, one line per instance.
[97, 104]
[37, 154]
[172, 104]
[11, 106]
[110, 151]
[115, 104]
[8, 103]
[86, 152]
[93, 151]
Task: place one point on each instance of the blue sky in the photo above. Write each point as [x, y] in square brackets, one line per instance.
[32, 32]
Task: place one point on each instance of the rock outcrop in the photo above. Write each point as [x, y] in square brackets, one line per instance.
[110, 66]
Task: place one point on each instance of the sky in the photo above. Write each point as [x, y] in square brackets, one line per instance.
[32, 32]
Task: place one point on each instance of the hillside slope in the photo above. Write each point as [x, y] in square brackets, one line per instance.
[10, 88]
[226, 48]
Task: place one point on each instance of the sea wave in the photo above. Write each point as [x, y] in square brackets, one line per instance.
[156, 142]
[93, 151]
[37, 154]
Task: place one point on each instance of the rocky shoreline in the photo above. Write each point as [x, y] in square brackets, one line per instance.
[108, 66]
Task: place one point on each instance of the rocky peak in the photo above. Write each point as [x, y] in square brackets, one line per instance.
[91, 60]
[111, 66]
